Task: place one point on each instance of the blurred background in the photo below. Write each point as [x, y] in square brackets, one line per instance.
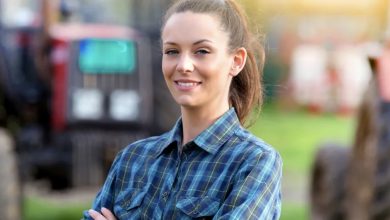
[80, 79]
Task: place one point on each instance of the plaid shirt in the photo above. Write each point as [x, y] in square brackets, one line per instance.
[224, 173]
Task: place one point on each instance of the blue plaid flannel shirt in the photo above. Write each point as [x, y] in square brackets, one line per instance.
[224, 173]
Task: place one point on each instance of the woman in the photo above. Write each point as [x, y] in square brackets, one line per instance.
[208, 165]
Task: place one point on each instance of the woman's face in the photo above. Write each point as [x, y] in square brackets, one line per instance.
[196, 63]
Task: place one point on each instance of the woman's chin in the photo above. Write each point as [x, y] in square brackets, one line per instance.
[186, 104]
[185, 101]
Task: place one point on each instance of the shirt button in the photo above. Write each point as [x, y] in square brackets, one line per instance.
[165, 194]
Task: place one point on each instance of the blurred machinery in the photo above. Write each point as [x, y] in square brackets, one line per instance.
[353, 183]
[74, 93]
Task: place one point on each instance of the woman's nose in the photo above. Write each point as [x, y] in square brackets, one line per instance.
[185, 64]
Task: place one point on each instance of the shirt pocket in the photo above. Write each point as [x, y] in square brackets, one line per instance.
[198, 207]
[127, 203]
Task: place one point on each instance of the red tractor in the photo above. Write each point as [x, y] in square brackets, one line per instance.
[75, 94]
[100, 100]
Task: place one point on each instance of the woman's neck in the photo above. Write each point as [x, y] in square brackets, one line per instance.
[197, 120]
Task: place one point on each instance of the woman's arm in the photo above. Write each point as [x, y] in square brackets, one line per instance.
[256, 192]
[106, 197]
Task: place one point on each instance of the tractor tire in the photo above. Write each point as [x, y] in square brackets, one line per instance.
[328, 182]
[10, 190]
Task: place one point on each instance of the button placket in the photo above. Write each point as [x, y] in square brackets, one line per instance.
[168, 195]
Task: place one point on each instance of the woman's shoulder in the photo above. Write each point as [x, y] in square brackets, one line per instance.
[146, 146]
[254, 155]
[254, 146]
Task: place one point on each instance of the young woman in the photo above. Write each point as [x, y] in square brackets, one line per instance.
[208, 165]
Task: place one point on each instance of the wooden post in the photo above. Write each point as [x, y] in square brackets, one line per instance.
[10, 191]
[50, 16]
[50, 13]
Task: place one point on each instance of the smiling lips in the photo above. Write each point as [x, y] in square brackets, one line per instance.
[186, 85]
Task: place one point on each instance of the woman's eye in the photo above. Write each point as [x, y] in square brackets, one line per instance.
[171, 52]
[202, 51]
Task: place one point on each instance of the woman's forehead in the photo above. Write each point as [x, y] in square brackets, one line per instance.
[189, 26]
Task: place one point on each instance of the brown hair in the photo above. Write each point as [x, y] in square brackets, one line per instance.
[245, 92]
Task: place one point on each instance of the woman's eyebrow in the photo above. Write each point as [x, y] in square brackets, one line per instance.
[202, 41]
[170, 43]
[195, 43]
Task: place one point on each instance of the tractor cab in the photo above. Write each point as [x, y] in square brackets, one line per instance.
[101, 77]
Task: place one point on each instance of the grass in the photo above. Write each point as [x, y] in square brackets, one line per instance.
[292, 211]
[39, 209]
[296, 135]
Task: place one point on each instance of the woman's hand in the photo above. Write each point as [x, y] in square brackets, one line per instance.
[105, 215]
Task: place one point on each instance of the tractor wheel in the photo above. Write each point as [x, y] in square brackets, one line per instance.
[328, 182]
[10, 192]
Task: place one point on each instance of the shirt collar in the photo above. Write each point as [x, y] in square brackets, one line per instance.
[210, 139]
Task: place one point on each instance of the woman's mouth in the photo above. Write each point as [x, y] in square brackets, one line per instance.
[187, 85]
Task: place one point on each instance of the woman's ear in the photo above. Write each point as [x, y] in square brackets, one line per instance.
[239, 59]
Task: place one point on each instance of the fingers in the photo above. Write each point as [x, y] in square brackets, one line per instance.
[106, 214]
[95, 215]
